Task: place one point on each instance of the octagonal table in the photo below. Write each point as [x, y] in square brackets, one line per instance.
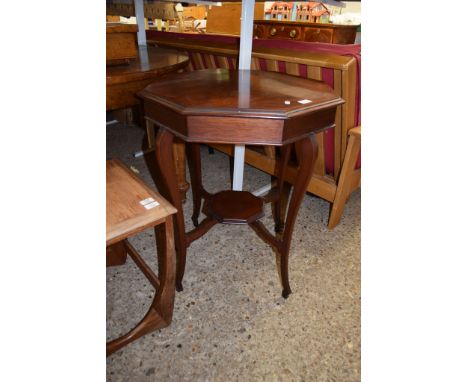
[238, 107]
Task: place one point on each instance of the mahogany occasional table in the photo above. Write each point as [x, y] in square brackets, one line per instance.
[131, 207]
[237, 107]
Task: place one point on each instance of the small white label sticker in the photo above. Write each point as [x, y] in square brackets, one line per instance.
[151, 205]
[146, 201]
[304, 101]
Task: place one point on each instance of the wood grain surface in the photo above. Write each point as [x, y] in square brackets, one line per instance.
[124, 81]
[125, 216]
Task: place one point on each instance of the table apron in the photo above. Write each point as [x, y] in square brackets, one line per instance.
[234, 130]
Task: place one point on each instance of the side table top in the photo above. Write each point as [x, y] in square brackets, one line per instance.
[240, 107]
[240, 93]
[151, 61]
[125, 215]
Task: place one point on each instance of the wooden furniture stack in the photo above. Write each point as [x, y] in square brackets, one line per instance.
[131, 208]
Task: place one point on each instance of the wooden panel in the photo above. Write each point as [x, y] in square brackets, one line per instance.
[349, 95]
[125, 216]
[205, 129]
[124, 95]
[344, 36]
[226, 19]
[197, 12]
[121, 42]
[319, 168]
[318, 35]
[337, 89]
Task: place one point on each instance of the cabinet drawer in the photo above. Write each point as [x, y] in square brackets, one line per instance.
[318, 34]
[284, 32]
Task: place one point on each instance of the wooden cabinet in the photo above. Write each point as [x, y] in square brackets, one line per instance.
[302, 31]
[196, 12]
[226, 19]
[121, 43]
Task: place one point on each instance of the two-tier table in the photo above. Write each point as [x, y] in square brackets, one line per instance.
[238, 107]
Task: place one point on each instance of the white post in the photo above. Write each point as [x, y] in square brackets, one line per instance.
[140, 17]
[246, 34]
[245, 56]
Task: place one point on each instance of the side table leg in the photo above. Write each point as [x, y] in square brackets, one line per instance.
[194, 160]
[306, 152]
[160, 312]
[179, 159]
[165, 161]
[284, 188]
[116, 254]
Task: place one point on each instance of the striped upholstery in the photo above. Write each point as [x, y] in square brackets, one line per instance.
[199, 61]
[312, 73]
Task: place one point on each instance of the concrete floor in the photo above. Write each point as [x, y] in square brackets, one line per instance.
[230, 323]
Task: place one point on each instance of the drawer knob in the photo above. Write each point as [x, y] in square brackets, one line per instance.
[293, 33]
[273, 31]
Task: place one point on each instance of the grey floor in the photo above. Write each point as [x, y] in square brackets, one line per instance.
[230, 323]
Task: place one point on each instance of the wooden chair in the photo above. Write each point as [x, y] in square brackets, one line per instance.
[350, 177]
[131, 208]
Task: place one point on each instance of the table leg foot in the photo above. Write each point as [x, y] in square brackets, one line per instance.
[284, 275]
[179, 287]
[286, 292]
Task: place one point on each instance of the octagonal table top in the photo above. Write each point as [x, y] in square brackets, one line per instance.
[240, 107]
[246, 92]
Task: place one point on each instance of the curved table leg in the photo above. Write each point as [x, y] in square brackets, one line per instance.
[179, 160]
[194, 161]
[284, 188]
[170, 190]
[159, 314]
[306, 152]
